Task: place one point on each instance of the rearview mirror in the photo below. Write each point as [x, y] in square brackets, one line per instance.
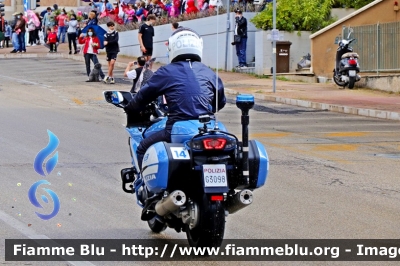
[114, 97]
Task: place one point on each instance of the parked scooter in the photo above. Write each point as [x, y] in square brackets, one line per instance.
[346, 68]
[194, 182]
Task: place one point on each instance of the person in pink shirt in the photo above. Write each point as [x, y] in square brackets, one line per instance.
[130, 14]
[61, 25]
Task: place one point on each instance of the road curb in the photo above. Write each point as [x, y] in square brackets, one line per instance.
[325, 106]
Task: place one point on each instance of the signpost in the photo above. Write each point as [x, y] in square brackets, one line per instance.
[275, 37]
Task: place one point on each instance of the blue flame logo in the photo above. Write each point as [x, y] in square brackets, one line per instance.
[41, 156]
[35, 202]
[50, 165]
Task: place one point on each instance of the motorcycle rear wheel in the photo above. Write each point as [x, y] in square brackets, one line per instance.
[352, 80]
[210, 230]
[156, 226]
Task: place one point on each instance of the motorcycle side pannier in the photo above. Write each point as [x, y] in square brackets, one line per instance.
[162, 163]
[258, 164]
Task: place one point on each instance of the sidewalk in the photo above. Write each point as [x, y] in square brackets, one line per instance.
[321, 96]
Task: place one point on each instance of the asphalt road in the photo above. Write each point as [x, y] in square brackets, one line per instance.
[331, 175]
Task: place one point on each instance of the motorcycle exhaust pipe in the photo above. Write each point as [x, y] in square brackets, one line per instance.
[240, 200]
[170, 203]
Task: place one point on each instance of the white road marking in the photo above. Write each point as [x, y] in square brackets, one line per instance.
[30, 233]
[26, 81]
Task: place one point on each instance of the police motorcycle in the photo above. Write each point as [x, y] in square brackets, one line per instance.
[202, 176]
[347, 67]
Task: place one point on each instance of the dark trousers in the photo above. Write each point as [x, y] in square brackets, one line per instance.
[53, 47]
[94, 59]
[241, 51]
[32, 37]
[72, 40]
[6, 40]
[37, 39]
[163, 135]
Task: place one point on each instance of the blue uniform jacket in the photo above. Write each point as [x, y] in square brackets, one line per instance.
[188, 87]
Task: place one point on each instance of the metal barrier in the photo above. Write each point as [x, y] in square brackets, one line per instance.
[377, 45]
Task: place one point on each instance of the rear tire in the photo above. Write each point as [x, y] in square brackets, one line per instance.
[210, 230]
[156, 226]
[352, 80]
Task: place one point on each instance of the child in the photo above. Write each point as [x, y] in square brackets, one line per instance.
[112, 49]
[52, 40]
[8, 32]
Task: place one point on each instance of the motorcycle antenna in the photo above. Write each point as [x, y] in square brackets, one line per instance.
[216, 72]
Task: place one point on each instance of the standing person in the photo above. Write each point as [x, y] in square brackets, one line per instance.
[52, 40]
[145, 36]
[91, 44]
[93, 18]
[130, 14]
[47, 22]
[14, 35]
[135, 73]
[38, 29]
[155, 9]
[61, 25]
[2, 30]
[112, 49]
[241, 30]
[31, 31]
[20, 29]
[72, 24]
[7, 33]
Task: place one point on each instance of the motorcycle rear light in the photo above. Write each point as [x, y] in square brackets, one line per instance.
[217, 198]
[214, 144]
[352, 62]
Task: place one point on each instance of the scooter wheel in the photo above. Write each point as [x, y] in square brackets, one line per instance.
[352, 80]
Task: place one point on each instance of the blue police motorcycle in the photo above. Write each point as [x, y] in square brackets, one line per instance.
[194, 182]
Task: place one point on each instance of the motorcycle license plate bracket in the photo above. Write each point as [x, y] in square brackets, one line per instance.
[215, 178]
[352, 73]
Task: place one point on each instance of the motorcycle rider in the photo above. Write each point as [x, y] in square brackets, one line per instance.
[188, 85]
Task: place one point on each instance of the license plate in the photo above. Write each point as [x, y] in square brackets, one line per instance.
[352, 73]
[215, 175]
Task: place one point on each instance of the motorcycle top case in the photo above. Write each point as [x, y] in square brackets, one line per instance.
[182, 130]
[162, 161]
[258, 164]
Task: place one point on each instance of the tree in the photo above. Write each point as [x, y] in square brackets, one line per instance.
[297, 15]
[351, 3]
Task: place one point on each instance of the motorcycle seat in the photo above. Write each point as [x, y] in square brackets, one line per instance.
[346, 55]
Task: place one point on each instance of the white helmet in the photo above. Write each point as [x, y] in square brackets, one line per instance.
[185, 44]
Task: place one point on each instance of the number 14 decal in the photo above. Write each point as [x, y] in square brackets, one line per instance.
[180, 153]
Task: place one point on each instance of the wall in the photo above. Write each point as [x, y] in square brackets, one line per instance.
[388, 83]
[341, 12]
[323, 48]
[207, 28]
[300, 46]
